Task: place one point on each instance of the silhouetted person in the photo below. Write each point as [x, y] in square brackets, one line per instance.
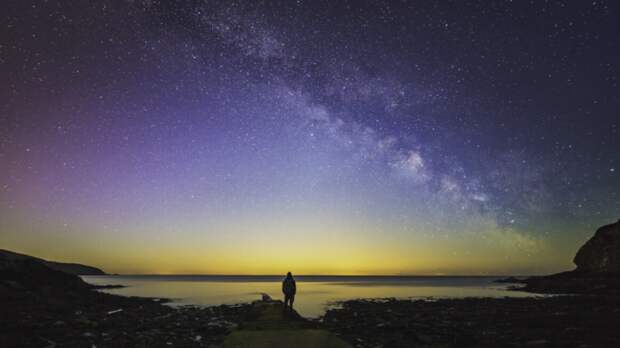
[289, 288]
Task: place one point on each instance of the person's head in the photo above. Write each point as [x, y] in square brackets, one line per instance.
[289, 275]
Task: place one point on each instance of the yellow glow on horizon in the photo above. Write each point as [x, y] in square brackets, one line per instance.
[328, 249]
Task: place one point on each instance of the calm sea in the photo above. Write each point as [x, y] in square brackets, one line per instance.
[314, 293]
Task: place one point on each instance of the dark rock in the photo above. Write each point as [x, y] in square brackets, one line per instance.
[537, 343]
[512, 280]
[601, 254]
[573, 282]
[479, 322]
[34, 276]
[112, 286]
[597, 273]
[71, 268]
[43, 307]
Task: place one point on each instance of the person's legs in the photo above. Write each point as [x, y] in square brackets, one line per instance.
[287, 299]
[291, 300]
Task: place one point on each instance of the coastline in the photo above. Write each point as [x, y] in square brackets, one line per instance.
[45, 307]
[555, 321]
[87, 318]
[77, 317]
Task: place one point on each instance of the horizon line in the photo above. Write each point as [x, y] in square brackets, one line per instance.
[310, 275]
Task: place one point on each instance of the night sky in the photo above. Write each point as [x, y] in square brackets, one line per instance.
[323, 137]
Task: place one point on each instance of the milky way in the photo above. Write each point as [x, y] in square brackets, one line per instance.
[334, 137]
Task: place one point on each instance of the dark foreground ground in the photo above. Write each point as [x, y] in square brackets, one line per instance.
[40, 307]
[563, 321]
[90, 321]
[101, 320]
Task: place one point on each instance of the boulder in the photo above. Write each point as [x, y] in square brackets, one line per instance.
[601, 254]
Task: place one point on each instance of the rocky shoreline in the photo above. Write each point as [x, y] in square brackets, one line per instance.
[113, 321]
[96, 319]
[597, 271]
[47, 308]
[587, 318]
[571, 282]
[557, 321]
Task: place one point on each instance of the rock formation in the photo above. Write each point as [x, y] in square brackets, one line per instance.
[601, 254]
[71, 268]
[598, 268]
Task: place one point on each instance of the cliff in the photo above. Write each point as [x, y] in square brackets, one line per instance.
[597, 272]
[601, 253]
[71, 268]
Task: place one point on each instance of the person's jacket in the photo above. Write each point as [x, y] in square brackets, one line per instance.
[288, 286]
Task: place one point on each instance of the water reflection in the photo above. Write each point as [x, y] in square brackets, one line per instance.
[313, 293]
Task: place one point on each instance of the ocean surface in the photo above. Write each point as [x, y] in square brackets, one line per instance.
[314, 293]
